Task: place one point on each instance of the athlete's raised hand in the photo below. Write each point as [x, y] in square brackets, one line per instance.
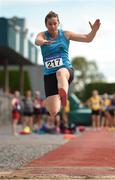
[96, 25]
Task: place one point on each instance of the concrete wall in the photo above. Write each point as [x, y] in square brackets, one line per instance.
[5, 110]
[36, 78]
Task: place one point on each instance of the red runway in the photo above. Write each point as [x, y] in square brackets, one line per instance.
[92, 153]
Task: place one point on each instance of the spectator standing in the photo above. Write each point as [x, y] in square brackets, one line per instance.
[105, 111]
[95, 104]
[112, 110]
[16, 111]
[37, 105]
[28, 110]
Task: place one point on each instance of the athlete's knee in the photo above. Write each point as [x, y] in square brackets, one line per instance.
[59, 73]
[63, 72]
[53, 113]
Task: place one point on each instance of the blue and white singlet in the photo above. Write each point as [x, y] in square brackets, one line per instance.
[55, 56]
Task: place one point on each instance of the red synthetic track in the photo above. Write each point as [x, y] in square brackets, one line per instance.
[90, 153]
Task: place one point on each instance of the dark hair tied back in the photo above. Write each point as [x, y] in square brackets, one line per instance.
[50, 15]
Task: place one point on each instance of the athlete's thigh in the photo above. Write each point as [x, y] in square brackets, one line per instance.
[64, 72]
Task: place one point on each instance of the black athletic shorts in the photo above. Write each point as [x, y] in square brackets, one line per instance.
[50, 83]
[96, 112]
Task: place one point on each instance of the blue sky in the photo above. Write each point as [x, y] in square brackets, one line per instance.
[74, 16]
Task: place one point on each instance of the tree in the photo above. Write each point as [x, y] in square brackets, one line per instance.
[85, 72]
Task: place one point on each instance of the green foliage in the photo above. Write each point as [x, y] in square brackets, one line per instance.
[80, 63]
[88, 70]
[14, 80]
[101, 87]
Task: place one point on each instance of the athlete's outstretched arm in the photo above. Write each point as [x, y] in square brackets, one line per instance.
[40, 40]
[84, 37]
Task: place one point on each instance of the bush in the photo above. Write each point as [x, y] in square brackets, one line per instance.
[14, 80]
[101, 87]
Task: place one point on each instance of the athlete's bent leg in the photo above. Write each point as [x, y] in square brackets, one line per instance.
[53, 104]
[62, 76]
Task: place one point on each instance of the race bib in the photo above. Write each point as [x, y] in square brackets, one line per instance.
[55, 62]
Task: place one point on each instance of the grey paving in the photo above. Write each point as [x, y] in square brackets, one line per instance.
[17, 151]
